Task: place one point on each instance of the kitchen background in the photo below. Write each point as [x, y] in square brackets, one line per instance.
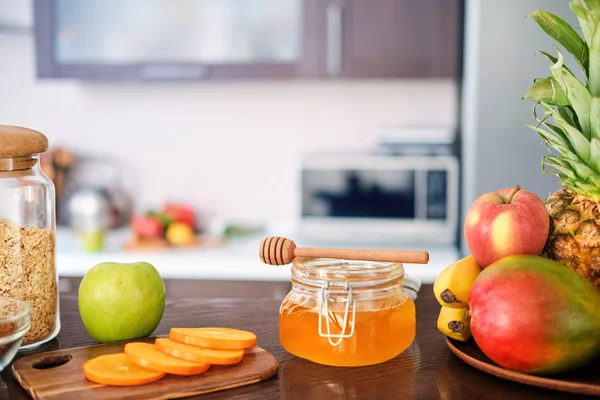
[233, 148]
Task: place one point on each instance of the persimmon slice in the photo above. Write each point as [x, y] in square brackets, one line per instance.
[115, 370]
[214, 338]
[148, 356]
[198, 354]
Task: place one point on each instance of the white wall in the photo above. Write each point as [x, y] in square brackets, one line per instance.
[231, 148]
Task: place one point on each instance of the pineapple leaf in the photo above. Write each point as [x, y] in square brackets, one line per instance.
[562, 177]
[556, 163]
[548, 91]
[563, 33]
[573, 174]
[577, 10]
[550, 57]
[578, 95]
[594, 180]
[534, 112]
[553, 59]
[588, 14]
[585, 187]
[556, 141]
[569, 116]
[594, 161]
[561, 134]
[566, 180]
[578, 141]
[595, 117]
[594, 63]
[581, 170]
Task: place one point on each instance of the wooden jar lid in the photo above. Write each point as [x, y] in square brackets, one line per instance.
[16, 141]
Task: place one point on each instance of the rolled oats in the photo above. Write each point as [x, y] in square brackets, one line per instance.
[7, 329]
[28, 273]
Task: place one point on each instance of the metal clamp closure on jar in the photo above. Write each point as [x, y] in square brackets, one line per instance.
[324, 313]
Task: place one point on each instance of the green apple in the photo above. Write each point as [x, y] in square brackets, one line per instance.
[119, 301]
[93, 241]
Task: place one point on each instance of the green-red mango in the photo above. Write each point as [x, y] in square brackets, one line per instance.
[534, 315]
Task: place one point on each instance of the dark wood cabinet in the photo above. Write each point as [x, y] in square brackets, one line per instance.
[356, 39]
[287, 39]
[400, 38]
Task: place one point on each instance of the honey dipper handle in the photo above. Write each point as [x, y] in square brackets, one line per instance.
[398, 256]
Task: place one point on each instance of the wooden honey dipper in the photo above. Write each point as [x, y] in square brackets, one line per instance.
[276, 250]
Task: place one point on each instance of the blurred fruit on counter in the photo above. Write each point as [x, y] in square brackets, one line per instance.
[174, 225]
[230, 229]
[93, 240]
[177, 225]
[180, 213]
[89, 217]
[148, 226]
[164, 219]
[136, 243]
[180, 234]
[236, 229]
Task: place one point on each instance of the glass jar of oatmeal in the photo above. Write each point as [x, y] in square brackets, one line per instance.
[347, 313]
[27, 231]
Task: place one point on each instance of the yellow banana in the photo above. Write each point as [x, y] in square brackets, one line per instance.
[453, 284]
[455, 323]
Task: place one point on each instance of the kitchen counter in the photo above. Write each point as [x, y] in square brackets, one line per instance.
[237, 259]
[426, 370]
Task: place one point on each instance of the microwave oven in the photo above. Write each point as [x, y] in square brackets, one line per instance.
[382, 198]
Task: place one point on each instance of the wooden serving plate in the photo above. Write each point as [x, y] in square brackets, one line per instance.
[585, 380]
[58, 375]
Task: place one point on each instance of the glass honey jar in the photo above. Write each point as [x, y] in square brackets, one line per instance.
[346, 313]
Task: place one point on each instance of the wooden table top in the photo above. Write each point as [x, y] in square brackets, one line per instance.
[427, 370]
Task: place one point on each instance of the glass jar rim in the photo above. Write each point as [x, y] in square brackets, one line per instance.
[341, 273]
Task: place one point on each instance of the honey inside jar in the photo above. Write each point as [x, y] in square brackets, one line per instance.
[365, 316]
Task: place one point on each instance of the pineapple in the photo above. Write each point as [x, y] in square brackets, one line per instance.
[570, 126]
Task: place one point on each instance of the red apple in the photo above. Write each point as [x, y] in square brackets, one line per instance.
[181, 213]
[147, 226]
[506, 222]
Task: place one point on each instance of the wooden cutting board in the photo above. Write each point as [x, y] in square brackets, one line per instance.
[59, 375]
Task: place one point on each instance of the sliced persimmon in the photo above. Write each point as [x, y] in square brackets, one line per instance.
[115, 370]
[198, 354]
[214, 338]
[147, 356]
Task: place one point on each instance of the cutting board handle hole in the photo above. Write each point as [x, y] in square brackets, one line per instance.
[53, 361]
